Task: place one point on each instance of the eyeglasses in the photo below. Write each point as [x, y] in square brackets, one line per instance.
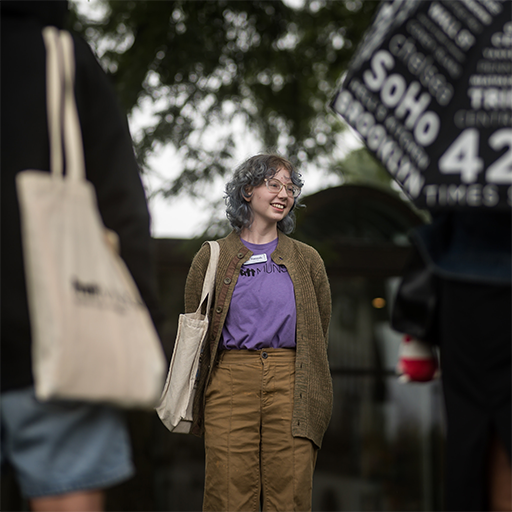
[275, 187]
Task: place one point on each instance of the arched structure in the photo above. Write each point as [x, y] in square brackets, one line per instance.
[359, 230]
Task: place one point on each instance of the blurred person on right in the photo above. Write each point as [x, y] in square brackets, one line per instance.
[469, 253]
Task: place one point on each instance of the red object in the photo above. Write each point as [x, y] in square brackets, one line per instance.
[417, 361]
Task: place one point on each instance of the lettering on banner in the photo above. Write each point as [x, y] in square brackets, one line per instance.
[478, 11]
[465, 16]
[449, 24]
[492, 92]
[490, 98]
[442, 55]
[481, 119]
[461, 195]
[407, 100]
[418, 64]
[407, 85]
[462, 157]
[387, 149]
[426, 25]
[390, 14]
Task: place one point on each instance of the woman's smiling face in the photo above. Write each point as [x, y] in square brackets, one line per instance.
[271, 207]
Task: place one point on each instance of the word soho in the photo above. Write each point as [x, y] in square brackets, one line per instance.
[394, 93]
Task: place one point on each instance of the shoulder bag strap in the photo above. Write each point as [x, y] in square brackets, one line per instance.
[209, 278]
[60, 72]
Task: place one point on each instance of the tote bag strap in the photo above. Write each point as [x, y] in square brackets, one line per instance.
[209, 278]
[60, 72]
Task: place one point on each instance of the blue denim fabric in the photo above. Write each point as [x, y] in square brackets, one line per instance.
[63, 447]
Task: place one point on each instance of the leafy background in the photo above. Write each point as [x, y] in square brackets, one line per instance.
[208, 81]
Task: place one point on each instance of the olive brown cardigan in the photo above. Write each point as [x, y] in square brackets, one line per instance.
[313, 385]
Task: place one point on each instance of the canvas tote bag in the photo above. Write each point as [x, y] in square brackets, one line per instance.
[175, 408]
[93, 338]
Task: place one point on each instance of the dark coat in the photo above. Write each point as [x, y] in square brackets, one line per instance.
[109, 159]
[470, 252]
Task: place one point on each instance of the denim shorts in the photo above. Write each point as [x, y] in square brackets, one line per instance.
[62, 447]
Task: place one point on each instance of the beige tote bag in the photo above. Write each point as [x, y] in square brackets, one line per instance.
[93, 338]
[175, 408]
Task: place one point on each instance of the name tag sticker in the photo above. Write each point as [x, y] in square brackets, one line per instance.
[256, 258]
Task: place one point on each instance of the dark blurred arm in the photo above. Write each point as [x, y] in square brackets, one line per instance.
[112, 168]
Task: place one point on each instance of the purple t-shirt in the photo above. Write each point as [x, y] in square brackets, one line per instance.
[262, 312]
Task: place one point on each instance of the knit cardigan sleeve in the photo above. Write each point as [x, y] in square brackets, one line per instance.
[323, 293]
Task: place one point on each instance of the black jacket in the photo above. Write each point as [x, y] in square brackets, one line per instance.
[109, 158]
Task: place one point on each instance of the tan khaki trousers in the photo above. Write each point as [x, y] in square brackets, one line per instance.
[252, 459]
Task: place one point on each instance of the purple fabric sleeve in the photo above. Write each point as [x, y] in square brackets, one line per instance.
[262, 312]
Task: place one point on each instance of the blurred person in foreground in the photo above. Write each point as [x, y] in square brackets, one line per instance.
[63, 453]
[470, 253]
[264, 397]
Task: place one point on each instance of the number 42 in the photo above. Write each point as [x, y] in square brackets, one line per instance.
[462, 157]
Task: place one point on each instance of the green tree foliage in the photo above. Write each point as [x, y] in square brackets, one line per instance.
[360, 166]
[208, 67]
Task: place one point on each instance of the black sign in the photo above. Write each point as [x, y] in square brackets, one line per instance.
[430, 92]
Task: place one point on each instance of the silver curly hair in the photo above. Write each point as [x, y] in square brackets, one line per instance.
[252, 173]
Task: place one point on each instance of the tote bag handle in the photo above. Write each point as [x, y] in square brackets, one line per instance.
[61, 98]
[209, 278]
